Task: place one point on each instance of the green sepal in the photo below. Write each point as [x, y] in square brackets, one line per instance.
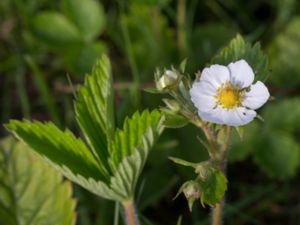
[213, 188]
[175, 121]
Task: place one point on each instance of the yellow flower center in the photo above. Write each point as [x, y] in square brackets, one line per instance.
[229, 96]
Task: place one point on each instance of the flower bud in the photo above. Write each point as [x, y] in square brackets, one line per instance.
[192, 191]
[168, 80]
[172, 105]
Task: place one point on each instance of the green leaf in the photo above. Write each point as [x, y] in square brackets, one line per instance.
[182, 65]
[87, 15]
[239, 49]
[278, 155]
[66, 153]
[60, 147]
[213, 188]
[31, 192]
[94, 111]
[131, 137]
[55, 30]
[131, 148]
[175, 121]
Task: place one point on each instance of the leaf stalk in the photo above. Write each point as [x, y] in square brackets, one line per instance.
[130, 213]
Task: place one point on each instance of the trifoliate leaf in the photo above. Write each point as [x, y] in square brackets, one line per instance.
[55, 30]
[31, 192]
[94, 111]
[87, 15]
[278, 155]
[213, 188]
[239, 49]
[111, 166]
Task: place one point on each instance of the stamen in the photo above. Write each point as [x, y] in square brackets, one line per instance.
[229, 96]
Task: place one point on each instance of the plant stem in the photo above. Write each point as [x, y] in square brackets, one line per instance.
[181, 27]
[211, 138]
[130, 214]
[217, 211]
[116, 215]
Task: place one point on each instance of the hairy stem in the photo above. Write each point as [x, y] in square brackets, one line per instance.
[211, 138]
[217, 211]
[130, 214]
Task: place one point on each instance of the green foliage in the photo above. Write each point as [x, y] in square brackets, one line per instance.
[150, 36]
[81, 58]
[55, 30]
[72, 34]
[131, 137]
[31, 191]
[276, 150]
[87, 15]
[204, 42]
[60, 147]
[213, 188]
[283, 115]
[94, 110]
[243, 147]
[282, 49]
[239, 49]
[111, 163]
[278, 155]
[175, 121]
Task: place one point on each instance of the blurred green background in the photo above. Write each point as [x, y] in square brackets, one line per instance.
[47, 46]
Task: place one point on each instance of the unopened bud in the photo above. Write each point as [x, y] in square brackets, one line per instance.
[169, 79]
[192, 191]
[172, 104]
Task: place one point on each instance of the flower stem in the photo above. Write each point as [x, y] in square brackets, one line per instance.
[130, 214]
[217, 211]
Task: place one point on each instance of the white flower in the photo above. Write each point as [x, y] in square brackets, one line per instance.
[226, 95]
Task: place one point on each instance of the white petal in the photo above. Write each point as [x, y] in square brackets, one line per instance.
[257, 96]
[233, 117]
[202, 95]
[216, 75]
[238, 117]
[241, 73]
[212, 116]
